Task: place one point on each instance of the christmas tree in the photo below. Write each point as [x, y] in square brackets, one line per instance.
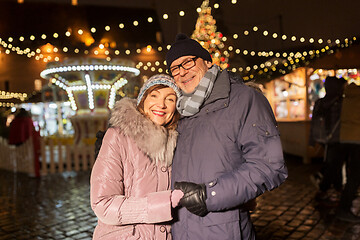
[205, 33]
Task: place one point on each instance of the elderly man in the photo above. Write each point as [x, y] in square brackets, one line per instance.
[228, 151]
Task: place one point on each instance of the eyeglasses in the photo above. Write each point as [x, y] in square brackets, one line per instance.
[175, 70]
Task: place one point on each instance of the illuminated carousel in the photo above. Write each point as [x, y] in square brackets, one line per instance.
[91, 85]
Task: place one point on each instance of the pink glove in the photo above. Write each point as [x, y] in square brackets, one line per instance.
[175, 197]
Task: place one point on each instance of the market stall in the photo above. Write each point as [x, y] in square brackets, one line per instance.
[292, 98]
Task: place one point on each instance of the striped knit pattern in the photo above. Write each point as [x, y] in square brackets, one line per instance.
[189, 104]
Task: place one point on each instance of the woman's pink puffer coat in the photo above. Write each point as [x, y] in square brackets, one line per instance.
[130, 180]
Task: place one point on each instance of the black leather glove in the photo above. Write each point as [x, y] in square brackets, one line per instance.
[194, 197]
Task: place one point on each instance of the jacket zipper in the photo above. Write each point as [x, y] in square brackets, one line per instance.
[133, 233]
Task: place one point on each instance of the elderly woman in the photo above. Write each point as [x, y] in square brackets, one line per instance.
[130, 181]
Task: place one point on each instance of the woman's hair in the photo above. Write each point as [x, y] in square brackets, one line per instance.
[174, 120]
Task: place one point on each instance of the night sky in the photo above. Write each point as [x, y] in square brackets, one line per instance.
[325, 19]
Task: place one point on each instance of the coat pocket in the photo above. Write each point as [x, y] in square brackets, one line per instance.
[269, 140]
[216, 218]
[112, 232]
[267, 130]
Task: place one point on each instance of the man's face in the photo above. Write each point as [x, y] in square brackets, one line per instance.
[188, 80]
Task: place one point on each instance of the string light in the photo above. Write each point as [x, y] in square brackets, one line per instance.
[89, 91]
[116, 86]
[266, 33]
[183, 13]
[6, 104]
[45, 73]
[11, 95]
[80, 32]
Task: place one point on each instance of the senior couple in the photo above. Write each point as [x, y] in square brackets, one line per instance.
[189, 153]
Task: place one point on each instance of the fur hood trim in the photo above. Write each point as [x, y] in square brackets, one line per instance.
[155, 141]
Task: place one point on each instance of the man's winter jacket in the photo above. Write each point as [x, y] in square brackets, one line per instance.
[233, 146]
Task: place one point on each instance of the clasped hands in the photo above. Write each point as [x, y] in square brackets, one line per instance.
[190, 195]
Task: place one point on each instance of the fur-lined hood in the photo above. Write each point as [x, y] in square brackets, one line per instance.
[155, 141]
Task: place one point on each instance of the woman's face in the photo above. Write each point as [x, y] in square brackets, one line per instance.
[160, 105]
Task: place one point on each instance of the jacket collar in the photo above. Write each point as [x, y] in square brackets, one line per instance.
[221, 88]
[154, 140]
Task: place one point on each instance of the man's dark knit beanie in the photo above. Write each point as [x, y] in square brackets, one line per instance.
[185, 46]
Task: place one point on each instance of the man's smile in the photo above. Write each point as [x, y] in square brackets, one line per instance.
[187, 81]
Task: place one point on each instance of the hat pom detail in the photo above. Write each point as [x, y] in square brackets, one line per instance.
[181, 36]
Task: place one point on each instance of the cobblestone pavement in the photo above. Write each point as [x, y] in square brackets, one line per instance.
[57, 207]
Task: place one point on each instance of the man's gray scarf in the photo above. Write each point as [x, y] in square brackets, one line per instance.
[189, 104]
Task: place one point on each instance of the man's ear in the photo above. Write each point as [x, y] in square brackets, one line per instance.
[208, 63]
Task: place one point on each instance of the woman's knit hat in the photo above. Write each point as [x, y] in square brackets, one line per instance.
[158, 79]
[185, 46]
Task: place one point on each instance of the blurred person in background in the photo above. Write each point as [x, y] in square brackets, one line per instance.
[350, 139]
[325, 130]
[21, 130]
[4, 128]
